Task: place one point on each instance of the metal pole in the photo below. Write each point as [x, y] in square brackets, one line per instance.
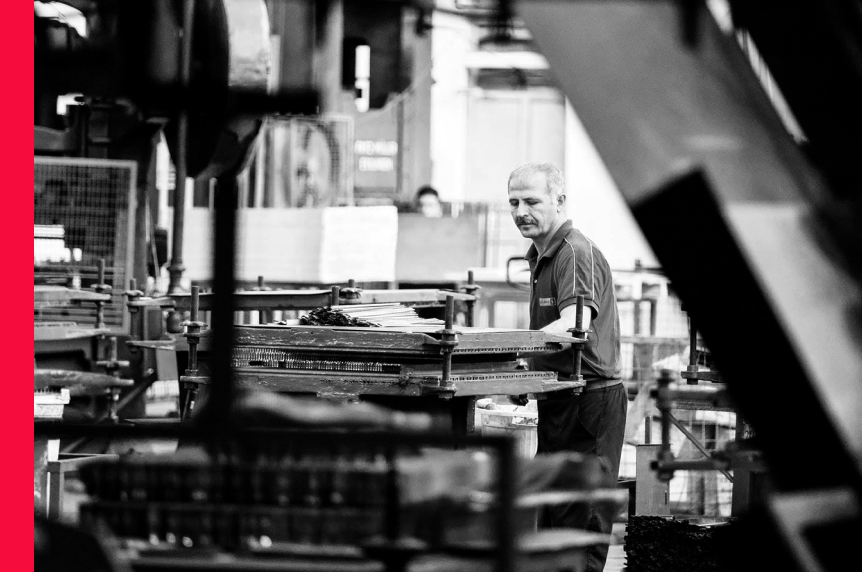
[692, 350]
[664, 403]
[177, 268]
[506, 537]
[471, 288]
[578, 332]
[215, 415]
[448, 341]
[100, 288]
[193, 331]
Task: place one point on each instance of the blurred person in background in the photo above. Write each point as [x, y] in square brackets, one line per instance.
[428, 202]
[564, 264]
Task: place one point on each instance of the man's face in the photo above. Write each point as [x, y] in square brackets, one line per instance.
[429, 205]
[534, 210]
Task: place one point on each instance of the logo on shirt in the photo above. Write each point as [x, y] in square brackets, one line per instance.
[547, 301]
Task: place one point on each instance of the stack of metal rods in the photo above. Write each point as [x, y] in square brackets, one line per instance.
[387, 315]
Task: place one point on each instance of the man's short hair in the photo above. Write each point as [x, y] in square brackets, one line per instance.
[554, 177]
[427, 190]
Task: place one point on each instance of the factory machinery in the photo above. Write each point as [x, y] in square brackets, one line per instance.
[343, 495]
[445, 367]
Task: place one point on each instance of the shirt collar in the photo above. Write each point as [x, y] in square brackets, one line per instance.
[556, 241]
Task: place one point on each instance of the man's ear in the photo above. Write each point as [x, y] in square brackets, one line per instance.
[561, 200]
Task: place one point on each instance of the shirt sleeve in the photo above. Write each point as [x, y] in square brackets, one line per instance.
[578, 272]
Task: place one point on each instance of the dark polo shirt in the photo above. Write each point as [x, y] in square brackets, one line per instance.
[571, 266]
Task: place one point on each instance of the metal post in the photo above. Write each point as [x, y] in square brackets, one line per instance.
[692, 350]
[334, 296]
[216, 414]
[177, 268]
[263, 316]
[506, 538]
[101, 288]
[193, 329]
[193, 336]
[112, 365]
[653, 317]
[580, 333]
[471, 288]
[448, 340]
[136, 320]
[664, 403]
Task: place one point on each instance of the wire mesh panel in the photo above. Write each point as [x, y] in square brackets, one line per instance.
[308, 161]
[83, 211]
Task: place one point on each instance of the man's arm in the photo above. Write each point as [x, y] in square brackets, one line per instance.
[567, 320]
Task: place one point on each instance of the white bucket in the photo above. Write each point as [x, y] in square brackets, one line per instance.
[519, 422]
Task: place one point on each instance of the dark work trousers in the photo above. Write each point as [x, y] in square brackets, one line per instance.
[591, 423]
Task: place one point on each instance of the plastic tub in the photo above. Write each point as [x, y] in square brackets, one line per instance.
[518, 422]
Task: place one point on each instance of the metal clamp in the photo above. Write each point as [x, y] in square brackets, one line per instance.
[448, 341]
[112, 366]
[133, 295]
[101, 288]
[350, 294]
[580, 333]
[193, 336]
[471, 288]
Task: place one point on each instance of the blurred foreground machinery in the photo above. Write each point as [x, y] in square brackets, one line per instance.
[763, 244]
[310, 485]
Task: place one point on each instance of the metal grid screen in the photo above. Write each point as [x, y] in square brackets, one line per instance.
[83, 211]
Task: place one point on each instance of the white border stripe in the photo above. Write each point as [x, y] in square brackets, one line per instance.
[574, 268]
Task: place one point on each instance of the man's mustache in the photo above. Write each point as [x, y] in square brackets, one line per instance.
[524, 220]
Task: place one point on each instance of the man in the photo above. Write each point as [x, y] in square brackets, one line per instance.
[564, 264]
[428, 202]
